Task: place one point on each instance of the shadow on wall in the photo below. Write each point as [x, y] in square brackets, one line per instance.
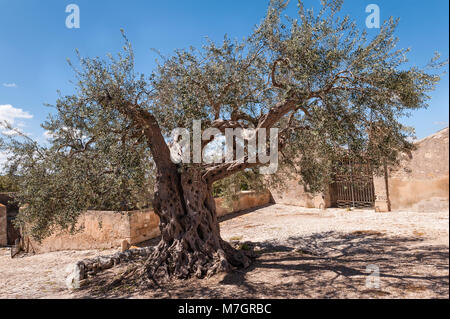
[7, 230]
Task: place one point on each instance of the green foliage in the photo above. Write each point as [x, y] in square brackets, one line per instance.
[242, 181]
[359, 90]
[8, 184]
[229, 188]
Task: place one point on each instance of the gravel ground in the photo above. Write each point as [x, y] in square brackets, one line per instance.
[303, 253]
[38, 276]
[279, 223]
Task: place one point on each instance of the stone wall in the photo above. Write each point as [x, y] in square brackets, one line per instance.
[3, 226]
[107, 229]
[381, 189]
[294, 194]
[421, 182]
[246, 200]
[102, 230]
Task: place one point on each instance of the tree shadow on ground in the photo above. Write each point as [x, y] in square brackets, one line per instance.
[336, 265]
[326, 265]
[243, 212]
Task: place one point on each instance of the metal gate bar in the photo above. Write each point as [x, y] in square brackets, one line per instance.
[353, 186]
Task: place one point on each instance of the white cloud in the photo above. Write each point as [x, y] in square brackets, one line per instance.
[9, 132]
[47, 135]
[15, 131]
[3, 160]
[441, 123]
[75, 132]
[9, 114]
[10, 85]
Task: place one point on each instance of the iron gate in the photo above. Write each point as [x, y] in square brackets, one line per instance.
[353, 186]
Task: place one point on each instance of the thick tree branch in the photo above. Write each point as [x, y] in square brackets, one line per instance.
[158, 146]
[267, 121]
[144, 120]
[274, 70]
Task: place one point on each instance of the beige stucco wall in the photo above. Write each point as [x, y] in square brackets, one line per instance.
[143, 226]
[107, 229]
[294, 194]
[381, 189]
[102, 230]
[3, 226]
[246, 200]
[421, 182]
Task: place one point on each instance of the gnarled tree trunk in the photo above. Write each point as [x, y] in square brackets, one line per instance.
[190, 235]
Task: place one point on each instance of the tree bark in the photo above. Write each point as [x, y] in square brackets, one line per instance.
[190, 236]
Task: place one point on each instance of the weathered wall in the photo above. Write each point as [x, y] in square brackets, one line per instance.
[421, 182]
[294, 194]
[381, 189]
[103, 229]
[143, 226]
[3, 227]
[246, 200]
[107, 229]
[11, 213]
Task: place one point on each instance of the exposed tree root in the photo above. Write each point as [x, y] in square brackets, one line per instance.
[168, 263]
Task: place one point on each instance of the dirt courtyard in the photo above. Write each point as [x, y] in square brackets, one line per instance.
[302, 253]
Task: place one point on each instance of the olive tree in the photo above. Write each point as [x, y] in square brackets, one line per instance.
[320, 80]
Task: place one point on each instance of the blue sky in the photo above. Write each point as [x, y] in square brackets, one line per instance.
[35, 43]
